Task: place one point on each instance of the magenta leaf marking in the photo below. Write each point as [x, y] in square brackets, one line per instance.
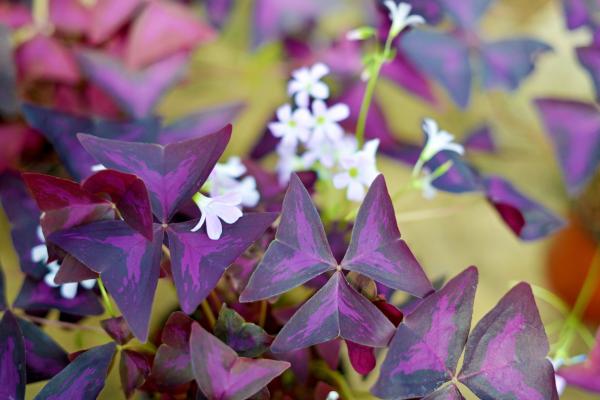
[376, 249]
[197, 262]
[12, 359]
[505, 355]
[299, 252]
[172, 173]
[336, 310]
[83, 379]
[136, 92]
[117, 329]
[428, 343]
[172, 365]
[128, 263]
[221, 374]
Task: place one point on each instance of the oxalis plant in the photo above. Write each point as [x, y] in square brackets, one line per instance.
[284, 280]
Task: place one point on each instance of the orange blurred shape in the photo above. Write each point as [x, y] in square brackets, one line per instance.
[570, 258]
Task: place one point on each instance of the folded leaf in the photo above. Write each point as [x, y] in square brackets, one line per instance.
[134, 368]
[247, 339]
[117, 329]
[449, 392]
[481, 139]
[505, 355]
[12, 359]
[172, 365]
[108, 16]
[84, 378]
[221, 374]
[376, 249]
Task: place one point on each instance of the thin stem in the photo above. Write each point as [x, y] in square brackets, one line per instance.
[322, 371]
[208, 313]
[106, 299]
[216, 301]
[61, 324]
[263, 313]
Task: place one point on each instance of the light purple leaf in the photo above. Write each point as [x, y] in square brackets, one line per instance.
[299, 252]
[442, 57]
[579, 13]
[466, 13]
[83, 379]
[585, 375]
[462, 177]
[506, 63]
[117, 329]
[376, 249]
[449, 392]
[481, 139]
[527, 219]
[198, 262]
[574, 129]
[336, 310]
[110, 15]
[134, 368]
[12, 359]
[221, 374]
[424, 352]
[172, 173]
[136, 92]
[402, 72]
[172, 365]
[127, 262]
[505, 355]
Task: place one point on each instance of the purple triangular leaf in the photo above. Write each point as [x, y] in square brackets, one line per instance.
[53, 193]
[12, 359]
[108, 16]
[574, 128]
[128, 263]
[527, 219]
[172, 365]
[247, 339]
[117, 329]
[299, 252]
[172, 173]
[45, 358]
[361, 357]
[449, 392]
[505, 356]
[466, 13]
[61, 130]
[72, 270]
[136, 92]
[460, 178]
[134, 368]
[580, 13]
[589, 58]
[428, 343]
[585, 375]
[481, 139]
[198, 262]
[376, 249]
[336, 310]
[84, 378]
[129, 195]
[221, 374]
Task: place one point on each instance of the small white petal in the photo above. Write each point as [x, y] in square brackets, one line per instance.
[341, 180]
[319, 90]
[97, 167]
[318, 71]
[197, 227]
[88, 283]
[49, 279]
[213, 227]
[39, 253]
[338, 112]
[302, 98]
[69, 290]
[356, 191]
[284, 113]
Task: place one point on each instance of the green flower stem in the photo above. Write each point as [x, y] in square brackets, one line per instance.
[208, 313]
[379, 59]
[322, 371]
[106, 299]
[573, 321]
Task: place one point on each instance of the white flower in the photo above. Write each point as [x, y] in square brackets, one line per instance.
[426, 184]
[293, 126]
[306, 83]
[288, 162]
[438, 140]
[561, 383]
[225, 178]
[215, 209]
[328, 152]
[97, 167]
[359, 171]
[333, 395]
[325, 120]
[401, 18]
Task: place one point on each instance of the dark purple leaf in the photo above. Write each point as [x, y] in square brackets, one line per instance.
[402, 72]
[506, 63]
[481, 139]
[134, 368]
[424, 352]
[61, 130]
[336, 310]
[128, 263]
[136, 92]
[45, 358]
[585, 375]
[505, 356]
[221, 374]
[198, 262]
[84, 378]
[574, 128]
[172, 173]
[361, 357]
[53, 193]
[12, 359]
[171, 365]
[247, 339]
[117, 329]
[449, 392]
[38, 296]
[579, 13]
[376, 249]
[71, 270]
[330, 352]
[460, 178]
[442, 57]
[466, 13]
[299, 252]
[300, 363]
[534, 222]
[129, 195]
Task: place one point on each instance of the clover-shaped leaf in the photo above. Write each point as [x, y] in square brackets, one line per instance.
[247, 339]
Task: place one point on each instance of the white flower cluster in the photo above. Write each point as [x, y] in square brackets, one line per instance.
[39, 254]
[227, 192]
[312, 138]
